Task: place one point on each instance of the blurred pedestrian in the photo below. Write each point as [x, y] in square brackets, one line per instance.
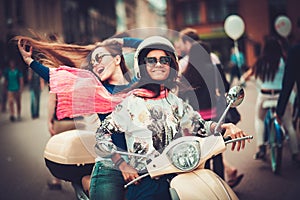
[36, 85]
[237, 61]
[187, 37]
[202, 85]
[14, 85]
[268, 71]
[291, 76]
[3, 90]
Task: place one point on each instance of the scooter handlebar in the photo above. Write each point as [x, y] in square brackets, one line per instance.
[228, 139]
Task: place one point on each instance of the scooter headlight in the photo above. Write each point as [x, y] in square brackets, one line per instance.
[185, 156]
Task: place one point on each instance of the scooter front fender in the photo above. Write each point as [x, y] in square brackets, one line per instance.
[200, 184]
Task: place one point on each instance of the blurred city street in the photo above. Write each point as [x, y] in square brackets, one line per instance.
[74, 33]
[24, 174]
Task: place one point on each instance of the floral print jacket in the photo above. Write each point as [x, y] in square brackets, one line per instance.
[151, 124]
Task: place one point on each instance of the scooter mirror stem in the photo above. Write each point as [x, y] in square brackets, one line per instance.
[217, 128]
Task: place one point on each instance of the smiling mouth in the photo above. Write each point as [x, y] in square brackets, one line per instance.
[158, 71]
[99, 71]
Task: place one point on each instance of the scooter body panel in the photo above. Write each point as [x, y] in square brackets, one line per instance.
[68, 147]
[201, 184]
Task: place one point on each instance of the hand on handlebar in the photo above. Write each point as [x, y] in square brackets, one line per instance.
[129, 173]
[234, 132]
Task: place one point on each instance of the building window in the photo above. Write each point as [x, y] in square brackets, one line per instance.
[8, 13]
[19, 12]
[191, 13]
[71, 19]
[218, 10]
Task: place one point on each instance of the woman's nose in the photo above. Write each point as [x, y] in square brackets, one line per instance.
[158, 64]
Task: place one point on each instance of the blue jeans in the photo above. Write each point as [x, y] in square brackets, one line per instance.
[106, 183]
[35, 102]
[150, 189]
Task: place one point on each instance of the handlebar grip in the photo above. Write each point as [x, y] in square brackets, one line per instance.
[227, 138]
[238, 139]
[223, 131]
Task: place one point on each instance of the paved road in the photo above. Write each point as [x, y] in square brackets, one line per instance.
[259, 181]
[23, 171]
[24, 175]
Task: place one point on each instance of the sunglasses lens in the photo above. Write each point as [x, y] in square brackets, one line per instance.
[98, 58]
[151, 60]
[164, 60]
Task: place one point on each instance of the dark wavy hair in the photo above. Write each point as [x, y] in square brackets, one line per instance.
[267, 64]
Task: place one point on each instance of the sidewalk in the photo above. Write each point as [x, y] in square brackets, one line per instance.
[22, 143]
[25, 107]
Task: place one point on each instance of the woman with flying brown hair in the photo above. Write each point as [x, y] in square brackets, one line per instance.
[102, 71]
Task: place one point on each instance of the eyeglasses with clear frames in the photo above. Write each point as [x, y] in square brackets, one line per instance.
[164, 60]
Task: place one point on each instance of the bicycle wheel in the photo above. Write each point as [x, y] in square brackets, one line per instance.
[275, 141]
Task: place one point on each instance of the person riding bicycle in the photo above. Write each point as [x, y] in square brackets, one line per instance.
[268, 71]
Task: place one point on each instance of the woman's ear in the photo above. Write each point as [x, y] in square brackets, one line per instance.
[117, 60]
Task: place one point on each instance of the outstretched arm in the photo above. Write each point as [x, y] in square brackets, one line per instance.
[125, 42]
[40, 69]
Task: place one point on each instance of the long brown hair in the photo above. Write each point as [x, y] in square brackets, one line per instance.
[54, 53]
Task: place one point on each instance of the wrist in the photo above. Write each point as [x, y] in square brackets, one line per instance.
[119, 162]
[123, 166]
[28, 60]
[213, 126]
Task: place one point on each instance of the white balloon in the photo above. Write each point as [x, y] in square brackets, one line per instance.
[234, 26]
[283, 25]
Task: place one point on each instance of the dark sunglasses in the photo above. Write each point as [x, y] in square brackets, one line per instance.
[164, 60]
[98, 58]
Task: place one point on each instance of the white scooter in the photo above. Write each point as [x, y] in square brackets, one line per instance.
[186, 157]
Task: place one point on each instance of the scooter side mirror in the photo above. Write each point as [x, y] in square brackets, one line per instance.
[235, 96]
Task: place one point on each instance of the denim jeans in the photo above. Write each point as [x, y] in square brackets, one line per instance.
[150, 189]
[35, 103]
[106, 183]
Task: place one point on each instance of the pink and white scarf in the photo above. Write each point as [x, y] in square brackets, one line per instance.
[79, 92]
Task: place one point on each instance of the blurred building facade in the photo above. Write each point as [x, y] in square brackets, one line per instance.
[79, 21]
[208, 16]
[73, 21]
